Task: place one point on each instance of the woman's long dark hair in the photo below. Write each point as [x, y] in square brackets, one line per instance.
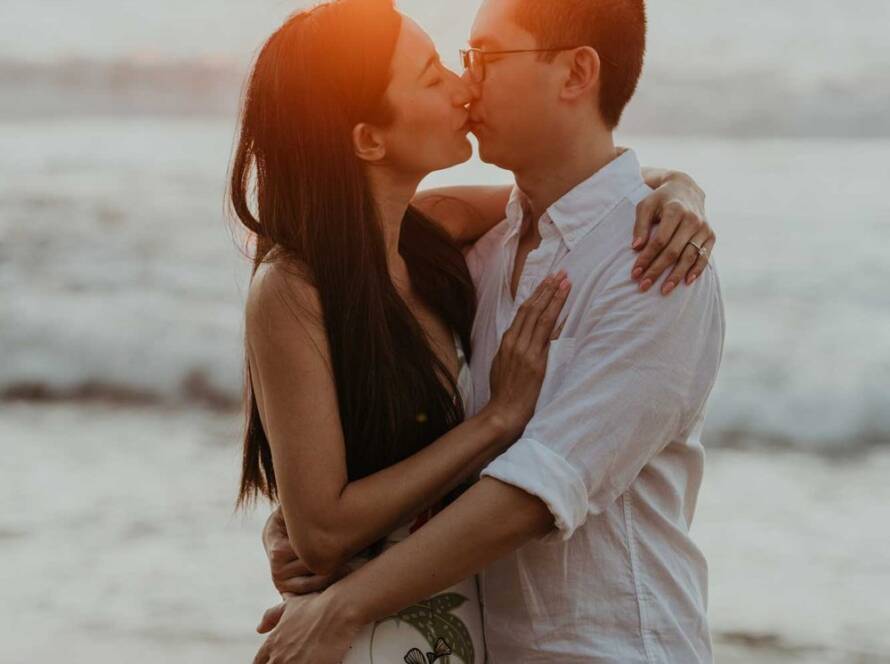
[320, 74]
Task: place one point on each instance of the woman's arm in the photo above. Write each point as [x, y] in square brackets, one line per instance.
[328, 518]
[466, 213]
[677, 207]
[469, 212]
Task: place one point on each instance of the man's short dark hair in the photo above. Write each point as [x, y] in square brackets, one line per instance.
[616, 29]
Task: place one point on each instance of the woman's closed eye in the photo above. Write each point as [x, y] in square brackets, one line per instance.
[435, 75]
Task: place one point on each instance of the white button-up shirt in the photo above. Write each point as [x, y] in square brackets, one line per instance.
[614, 447]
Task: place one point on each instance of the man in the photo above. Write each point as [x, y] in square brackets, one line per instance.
[581, 529]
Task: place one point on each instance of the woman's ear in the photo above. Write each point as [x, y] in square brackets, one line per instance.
[368, 142]
[584, 73]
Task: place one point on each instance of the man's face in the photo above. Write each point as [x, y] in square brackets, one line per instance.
[516, 106]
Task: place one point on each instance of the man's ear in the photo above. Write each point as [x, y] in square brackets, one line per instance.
[584, 73]
[368, 142]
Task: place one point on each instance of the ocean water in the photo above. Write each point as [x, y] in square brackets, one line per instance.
[797, 68]
[122, 277]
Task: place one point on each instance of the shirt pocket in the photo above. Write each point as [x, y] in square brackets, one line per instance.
[561, 351]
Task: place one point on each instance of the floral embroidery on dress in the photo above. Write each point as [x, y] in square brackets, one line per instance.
[445, 632]
[415, 655]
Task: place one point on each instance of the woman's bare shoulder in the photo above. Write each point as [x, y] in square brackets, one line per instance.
[282, 294]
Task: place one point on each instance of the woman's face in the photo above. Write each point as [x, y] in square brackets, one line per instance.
[431, 122]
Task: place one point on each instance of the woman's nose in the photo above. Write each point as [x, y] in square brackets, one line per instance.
[475, 87]
[464, 91]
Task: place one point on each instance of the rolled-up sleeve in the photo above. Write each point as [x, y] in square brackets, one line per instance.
[641, 373]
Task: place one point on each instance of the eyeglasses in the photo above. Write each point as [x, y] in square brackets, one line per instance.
[473, 59]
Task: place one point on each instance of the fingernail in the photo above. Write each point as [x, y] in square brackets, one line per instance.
[646, 285]
[638, 242]
[668, 287]
[637, 272]
[692, 279]
[564, 284]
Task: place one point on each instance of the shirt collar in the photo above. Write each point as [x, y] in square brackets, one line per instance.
[584, 207]
[517, 208]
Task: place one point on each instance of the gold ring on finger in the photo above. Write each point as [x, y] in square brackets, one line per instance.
[698, 247]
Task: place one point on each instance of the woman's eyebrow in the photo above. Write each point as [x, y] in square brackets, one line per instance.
[433, 60]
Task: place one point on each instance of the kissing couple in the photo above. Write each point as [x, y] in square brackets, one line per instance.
[477, 410]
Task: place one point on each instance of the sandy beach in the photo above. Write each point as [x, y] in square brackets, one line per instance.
[157, 568]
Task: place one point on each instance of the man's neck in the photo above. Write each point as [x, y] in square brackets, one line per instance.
[548, 180]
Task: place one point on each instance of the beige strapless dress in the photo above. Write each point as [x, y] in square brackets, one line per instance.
[444, 629]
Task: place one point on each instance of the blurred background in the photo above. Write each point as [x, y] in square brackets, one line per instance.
[121, 319]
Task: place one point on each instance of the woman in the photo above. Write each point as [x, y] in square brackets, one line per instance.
[360, 309]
